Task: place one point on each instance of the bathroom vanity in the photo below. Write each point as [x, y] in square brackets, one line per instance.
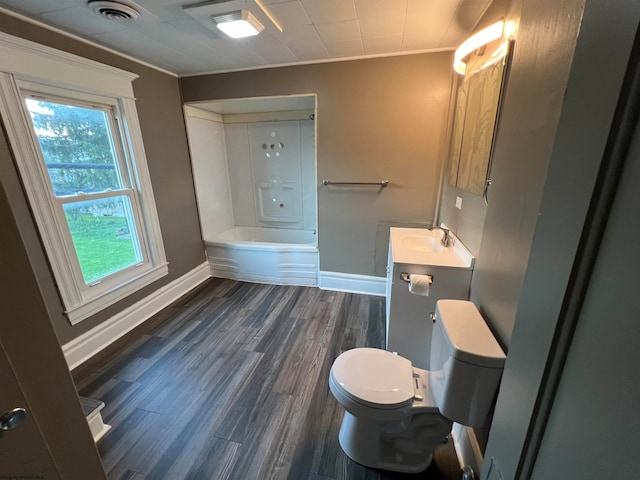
[408, 320]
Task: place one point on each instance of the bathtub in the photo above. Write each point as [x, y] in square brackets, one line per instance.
[265, 255]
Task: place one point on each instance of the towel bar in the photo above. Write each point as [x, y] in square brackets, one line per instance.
[382, 183]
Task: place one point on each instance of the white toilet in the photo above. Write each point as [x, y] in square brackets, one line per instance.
[396, 414]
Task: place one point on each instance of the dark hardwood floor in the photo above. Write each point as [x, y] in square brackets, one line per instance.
[231, 382]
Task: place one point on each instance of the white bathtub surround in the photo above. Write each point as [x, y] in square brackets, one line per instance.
[210, 172]
[253, 169]
[352, 283]
[255, 176]
[272, 173]
[265, 255]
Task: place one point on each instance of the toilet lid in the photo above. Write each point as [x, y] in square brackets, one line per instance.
[376, 377]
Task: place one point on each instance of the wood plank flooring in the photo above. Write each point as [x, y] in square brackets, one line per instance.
[232, 383]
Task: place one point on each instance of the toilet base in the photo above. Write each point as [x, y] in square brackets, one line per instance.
[405, 446]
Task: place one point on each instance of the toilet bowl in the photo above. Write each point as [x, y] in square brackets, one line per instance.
[395, 414]
[391, 421]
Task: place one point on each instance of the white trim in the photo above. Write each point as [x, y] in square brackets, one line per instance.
[93, 306]
[352, 283]
[467, 447]
[82, 348]
[43, 70]
[51, 28]
[29, 60]
[142, 179]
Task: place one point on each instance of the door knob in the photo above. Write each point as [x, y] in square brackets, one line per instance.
[12, 419]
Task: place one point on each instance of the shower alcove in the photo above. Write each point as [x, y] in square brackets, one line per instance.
[254, 168]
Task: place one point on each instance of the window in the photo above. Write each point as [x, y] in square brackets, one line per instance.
[82, 164]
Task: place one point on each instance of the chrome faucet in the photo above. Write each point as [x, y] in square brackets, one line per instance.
[447, 239]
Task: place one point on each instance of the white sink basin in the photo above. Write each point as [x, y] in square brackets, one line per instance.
[420, 246]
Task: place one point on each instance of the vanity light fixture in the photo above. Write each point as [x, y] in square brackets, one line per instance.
[483, 37]
[238, 24]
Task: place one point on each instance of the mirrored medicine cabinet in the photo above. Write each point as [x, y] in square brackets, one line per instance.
[475, 116]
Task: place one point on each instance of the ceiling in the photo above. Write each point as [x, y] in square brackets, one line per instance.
[176, 39]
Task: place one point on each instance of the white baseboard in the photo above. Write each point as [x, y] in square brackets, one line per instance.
[352, 283]
[82, 348]
[467, 447]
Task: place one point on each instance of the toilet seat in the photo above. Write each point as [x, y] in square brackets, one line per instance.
[374, 377]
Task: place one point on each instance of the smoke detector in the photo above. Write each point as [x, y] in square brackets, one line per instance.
[113, 10]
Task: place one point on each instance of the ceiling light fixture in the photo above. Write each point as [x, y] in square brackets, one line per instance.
[238, 24]
[474, 42]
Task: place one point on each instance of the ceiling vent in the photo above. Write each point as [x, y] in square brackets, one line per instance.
[114, 10]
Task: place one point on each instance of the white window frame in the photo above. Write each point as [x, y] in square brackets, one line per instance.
[31, 68]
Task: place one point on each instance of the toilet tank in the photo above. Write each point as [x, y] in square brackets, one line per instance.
[466, 363]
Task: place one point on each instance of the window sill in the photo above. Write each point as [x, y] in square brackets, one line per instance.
[95, 305]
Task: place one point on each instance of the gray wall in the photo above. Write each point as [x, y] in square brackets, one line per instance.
[598, 396]
[530, 111]
[468, 222]
[160, 111]
[589, 100]
[377, 119]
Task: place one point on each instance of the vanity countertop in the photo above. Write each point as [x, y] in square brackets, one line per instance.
[420, 246]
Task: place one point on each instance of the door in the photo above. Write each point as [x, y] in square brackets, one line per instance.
[54, 440]
[23, 450]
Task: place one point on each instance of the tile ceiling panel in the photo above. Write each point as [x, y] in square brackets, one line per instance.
[272, 51]
[346, 48]
[380, 8]
[35, 7]
[82, 20]
[382, 26]
[381, 45]
[273, 2]
[148, 49]
[339, 31]
[185, 41]
[290, 14]
[428, 7]
[168, 10]
[428, 24]
[305, 43]
[325, 11]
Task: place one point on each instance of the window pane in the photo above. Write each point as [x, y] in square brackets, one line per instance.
[77, 147]
[104, 236]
